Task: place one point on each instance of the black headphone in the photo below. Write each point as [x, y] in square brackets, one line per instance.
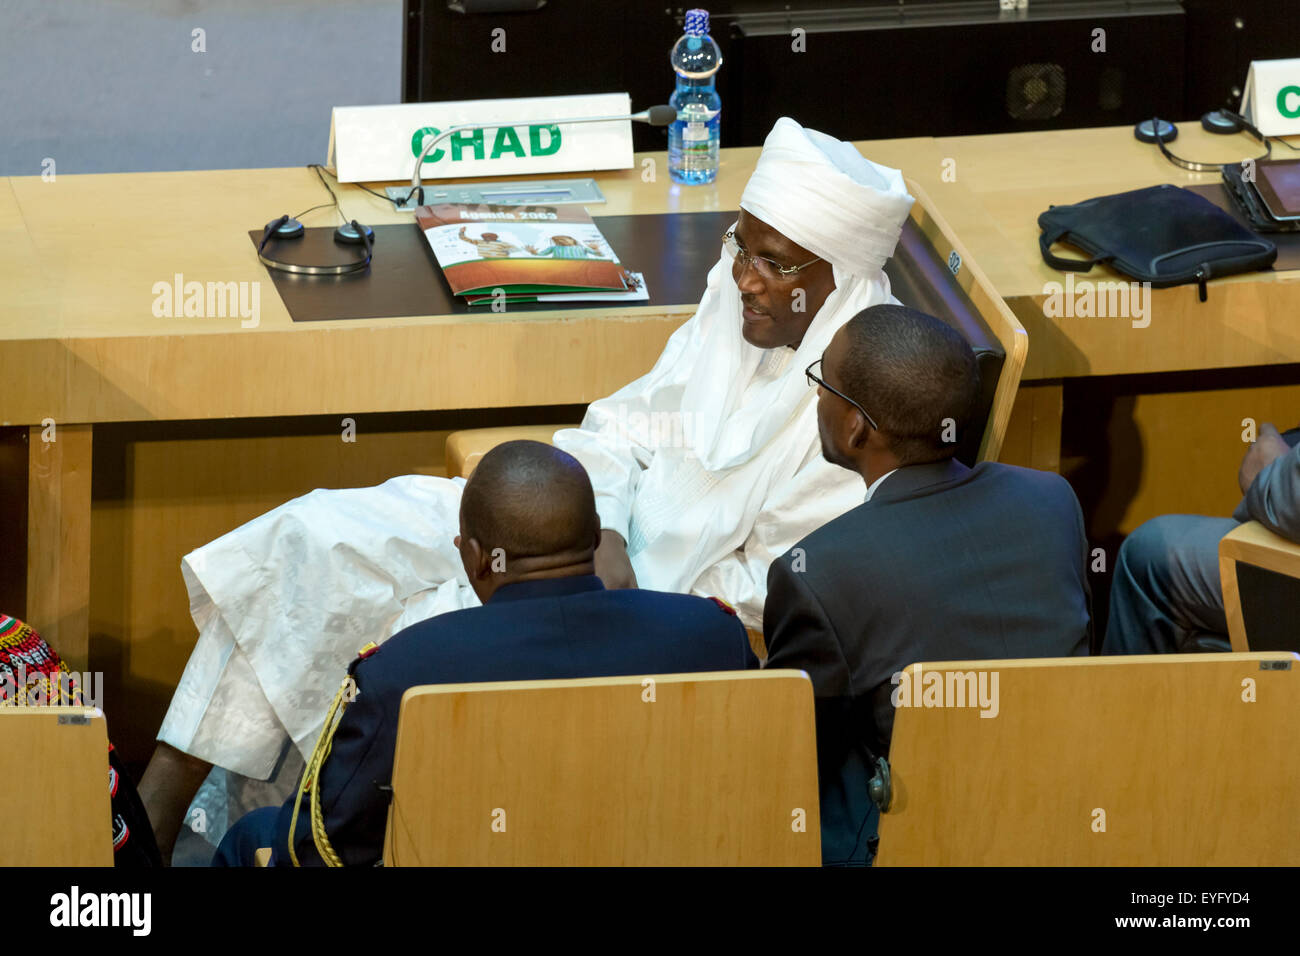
[1160, 131]
[880, 788]
[352, 233]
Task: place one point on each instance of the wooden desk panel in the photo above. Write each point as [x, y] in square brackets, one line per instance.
[82, 343]
[1016, 176]
[1013, 178]
[84, 252]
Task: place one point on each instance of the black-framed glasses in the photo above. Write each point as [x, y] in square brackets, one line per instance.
[818, 380]
[764, 266]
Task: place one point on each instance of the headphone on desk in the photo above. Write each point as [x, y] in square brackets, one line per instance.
[1223, 122]
[351, 233]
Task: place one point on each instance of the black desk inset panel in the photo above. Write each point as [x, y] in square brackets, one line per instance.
[674, 253]
[1288, 243]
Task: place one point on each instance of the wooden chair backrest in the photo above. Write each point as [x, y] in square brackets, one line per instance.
[706, 769]
[940, 277]
[1150, 760]
[54, 787]
[1260, 575]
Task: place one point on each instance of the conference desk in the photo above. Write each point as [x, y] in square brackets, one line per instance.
[83, 351]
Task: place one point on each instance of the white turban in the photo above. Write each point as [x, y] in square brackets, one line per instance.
[822, 194]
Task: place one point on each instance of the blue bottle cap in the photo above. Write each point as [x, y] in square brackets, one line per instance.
[697, 23]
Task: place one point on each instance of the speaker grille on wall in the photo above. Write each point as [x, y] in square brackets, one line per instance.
[1035, 91]
[1111, 94]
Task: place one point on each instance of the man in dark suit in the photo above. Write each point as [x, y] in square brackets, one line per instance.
[941, 562]
[1166, 596]
[528, 536]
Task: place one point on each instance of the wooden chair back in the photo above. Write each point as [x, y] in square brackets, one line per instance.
[1150, 760]
[54, 787]
[715, 769]
[932, 270]
[1260, 575]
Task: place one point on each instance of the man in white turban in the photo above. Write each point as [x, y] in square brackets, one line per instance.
[705, 469]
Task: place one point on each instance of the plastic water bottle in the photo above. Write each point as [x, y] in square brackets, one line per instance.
[693, 136]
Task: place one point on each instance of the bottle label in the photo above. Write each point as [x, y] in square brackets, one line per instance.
[695, 132]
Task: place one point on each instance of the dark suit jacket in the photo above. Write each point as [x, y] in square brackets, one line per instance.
[530, 630]
[943, 563]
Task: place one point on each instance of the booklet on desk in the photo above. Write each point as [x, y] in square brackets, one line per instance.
[525, 254]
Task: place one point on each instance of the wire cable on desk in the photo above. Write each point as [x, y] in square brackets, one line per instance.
[371, 191]
[312, 209]
[316, 168]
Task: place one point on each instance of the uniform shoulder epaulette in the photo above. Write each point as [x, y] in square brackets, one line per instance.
[307, 787]
[724, 605]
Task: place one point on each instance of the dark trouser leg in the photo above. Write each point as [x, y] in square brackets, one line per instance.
[249, 833]
[1166, 585]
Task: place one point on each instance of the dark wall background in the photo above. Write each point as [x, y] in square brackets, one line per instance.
[870, 69]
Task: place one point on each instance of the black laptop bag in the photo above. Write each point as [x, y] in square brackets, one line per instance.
[1163, 235]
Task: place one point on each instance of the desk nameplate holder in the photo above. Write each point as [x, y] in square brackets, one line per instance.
[548, 192]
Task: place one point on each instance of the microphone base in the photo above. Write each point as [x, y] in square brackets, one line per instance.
[398, 196]
[550, 192]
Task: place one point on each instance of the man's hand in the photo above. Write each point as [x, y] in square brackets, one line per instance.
[1268, 447]
[168, 786]
[613, 566]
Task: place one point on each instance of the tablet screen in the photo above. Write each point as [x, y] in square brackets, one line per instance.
[1279, 186]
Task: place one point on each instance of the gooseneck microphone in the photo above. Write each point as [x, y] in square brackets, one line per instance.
[660, 115]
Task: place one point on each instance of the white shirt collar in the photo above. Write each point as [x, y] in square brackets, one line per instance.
[876, 484]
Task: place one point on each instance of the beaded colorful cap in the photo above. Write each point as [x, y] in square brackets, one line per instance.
[31, 672]
[697, 22]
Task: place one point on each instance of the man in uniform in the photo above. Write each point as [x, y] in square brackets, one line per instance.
[528, 537]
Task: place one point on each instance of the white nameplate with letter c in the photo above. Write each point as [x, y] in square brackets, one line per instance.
[374, 143]
[1272, 97]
